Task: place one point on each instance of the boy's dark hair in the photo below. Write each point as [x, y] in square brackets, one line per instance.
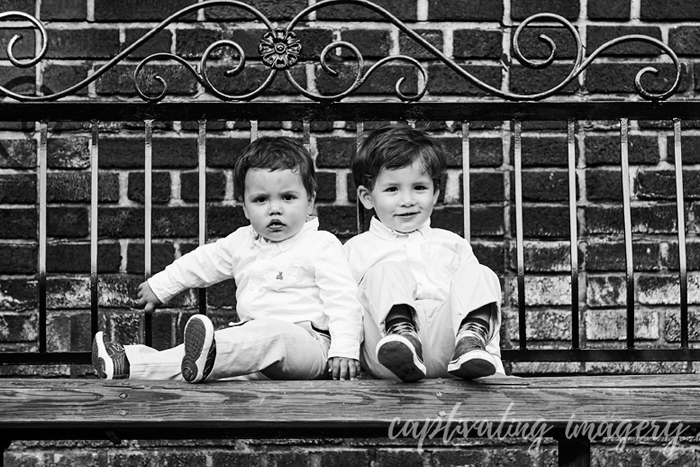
[393, 147]
[274, 153]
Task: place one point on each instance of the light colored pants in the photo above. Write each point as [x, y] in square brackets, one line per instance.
[259, 349]
[388, 284]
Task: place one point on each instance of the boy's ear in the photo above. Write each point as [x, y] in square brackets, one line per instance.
[245, 211]
[310, 208]
[365, 197]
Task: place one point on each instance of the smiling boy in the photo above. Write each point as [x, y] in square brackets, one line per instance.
[300, 318]
[431, 310]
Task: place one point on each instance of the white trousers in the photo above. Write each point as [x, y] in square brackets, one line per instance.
[259, 349]
[388, 284]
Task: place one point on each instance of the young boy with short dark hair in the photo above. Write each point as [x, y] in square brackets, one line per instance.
[300, 316]
[431, 310]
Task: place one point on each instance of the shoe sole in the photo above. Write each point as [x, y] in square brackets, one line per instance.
[397, 355]
[473, 364]
[104, 367]
[200, 349]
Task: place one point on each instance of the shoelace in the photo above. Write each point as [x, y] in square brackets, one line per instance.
[473, 329]
[401, 327]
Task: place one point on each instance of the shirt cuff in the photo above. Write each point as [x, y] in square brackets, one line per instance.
[346, 347]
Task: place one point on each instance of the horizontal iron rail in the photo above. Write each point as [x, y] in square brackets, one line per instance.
[508, 355]
[348, 111]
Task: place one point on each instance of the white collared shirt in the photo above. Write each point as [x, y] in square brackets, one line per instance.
[433, 255]
[303, 278]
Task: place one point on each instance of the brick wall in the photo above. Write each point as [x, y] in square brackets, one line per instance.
[85, 34]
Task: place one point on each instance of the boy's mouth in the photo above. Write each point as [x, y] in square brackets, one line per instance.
[275, 224]
[407, 214]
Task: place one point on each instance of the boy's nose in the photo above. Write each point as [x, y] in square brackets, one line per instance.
[407, 199]
[275, 208]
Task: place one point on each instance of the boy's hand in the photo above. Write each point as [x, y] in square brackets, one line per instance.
[147, 299]
[343, 368]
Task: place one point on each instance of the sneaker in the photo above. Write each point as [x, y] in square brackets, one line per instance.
[401, 352]
[200, 349]
[470, 359]
[109, 358]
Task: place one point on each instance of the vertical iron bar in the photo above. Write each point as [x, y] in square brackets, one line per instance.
[520, 253]
[202, 204]
[573, 230]
[42, 166]
[94, 198]
[360, 129]
[466, 192]
[627, 213]
[148, 205]
[253, 130]
[680, 208]
[306, 131]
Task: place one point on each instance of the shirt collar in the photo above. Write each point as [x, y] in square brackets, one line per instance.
[311, 225]
[382, 231]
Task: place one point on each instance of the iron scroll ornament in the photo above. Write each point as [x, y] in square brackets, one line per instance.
[280, 50]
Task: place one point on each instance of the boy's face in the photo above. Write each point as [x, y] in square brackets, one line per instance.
[403, 199]
[276, 203]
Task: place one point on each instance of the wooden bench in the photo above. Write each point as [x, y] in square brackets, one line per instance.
[575, 410]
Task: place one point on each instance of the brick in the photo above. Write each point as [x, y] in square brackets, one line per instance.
[462, 456]
[69, 332]
[126, 153]
[543, 221]
[669, 10]
[64, 292]
[119, 291]
[372, 43]
[599, 35]
[685, 40]
[474, 43]
[619, 457]
[64, 10]
[26, 6]
[17, 80]
[83, 43]
[442, 80]
[57, 78]
[543, 185]
[18, 327]
[690, 150]
[604, 185]
[665, 290]
[620, 77]
[484, 187]
[544, 151]
[18, 259]
[222, 220]
[69, 222]
[635, 368]
[18, 294]
[543, 290]
[334, 152]
[612, 325]
[404, 10]
[672, 326]
[543, 256]
[456, 10]
[271, 9]
[135, 10]
[162, 254]
[605, 291]
[222, 294]
[18, 223]
[339, 220]
[161, 42]
[75, 187]
[68, 153]
[382, 82]
[75, 257]
[526, 81]
[408, 46]
[610, 256]
[24, 47]
[191, 43]
[17, 188]
[606, 150]
[345, 457]
[160, 187]
[692, 256]
[544, 325]
[215, 186]
[534, 48]
[237, 458]
[661, 184]
[521, 9]
[223, 152]
[609, 9]
[326, 186]
[483, 152]
[120, 80]
[658, 218]
[491, 255]
[399, 458]
[678, 457]
[120, 222]
[251, 78]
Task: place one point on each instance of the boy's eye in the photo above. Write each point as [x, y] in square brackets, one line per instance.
[288, 197]
[259, 199]
[391, 188]
[421, 187]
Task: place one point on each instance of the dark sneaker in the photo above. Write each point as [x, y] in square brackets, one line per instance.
[108, 358]
[401, 352]
[470, 359]
[200, 349]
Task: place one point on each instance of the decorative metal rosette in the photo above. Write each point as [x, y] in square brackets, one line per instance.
[279, 48]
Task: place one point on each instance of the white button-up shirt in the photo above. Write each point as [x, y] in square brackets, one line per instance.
[433, 255]
[303, 278]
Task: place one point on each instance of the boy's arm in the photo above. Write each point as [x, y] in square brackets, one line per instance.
[338, 291]
[202, 267]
